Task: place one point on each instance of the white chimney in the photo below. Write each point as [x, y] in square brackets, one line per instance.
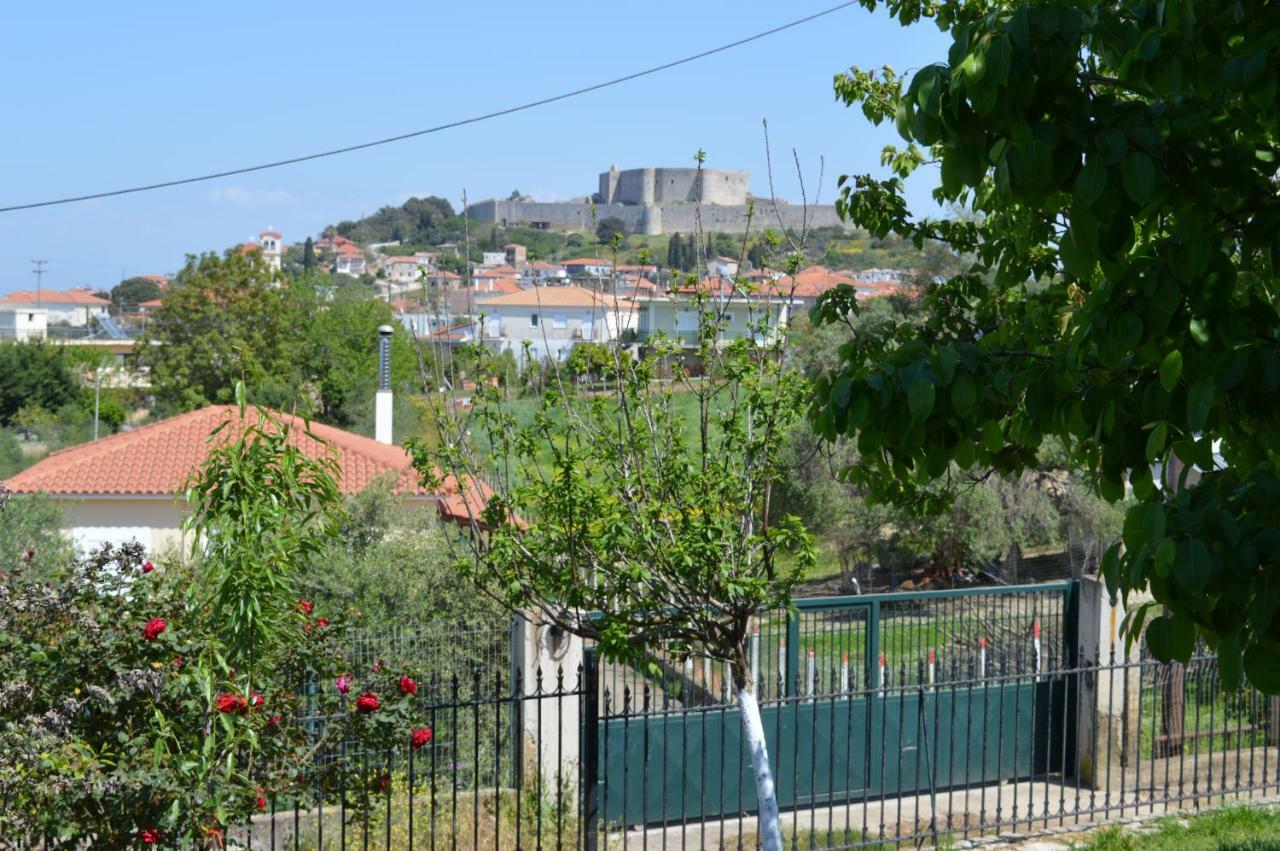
[382, 402]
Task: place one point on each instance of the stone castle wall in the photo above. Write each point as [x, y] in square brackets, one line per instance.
[654, 219]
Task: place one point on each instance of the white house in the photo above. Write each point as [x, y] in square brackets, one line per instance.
[540, 273]
[348, 259]
[76, 307]
[493, 258]
[552, 320]
[595, 267]
[127, 487]
[761, 316]
[18, 323]
[722, 267]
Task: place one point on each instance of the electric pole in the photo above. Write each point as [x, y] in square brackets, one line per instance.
[39, 273]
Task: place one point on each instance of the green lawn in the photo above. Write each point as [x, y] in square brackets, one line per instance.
[1232, 829]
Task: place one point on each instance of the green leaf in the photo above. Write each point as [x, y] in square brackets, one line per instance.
[1092, 180]
[1143, 524]
[1262, 667]
[1139, 174]
[946, 364]
[1199, 401]
[1229, 662]
[1192, 565]
[1170, 370]
[1172, 638]
[1160, 639]
[963, 394]
[840, 393]
[1164, 557]
[1155, 441]
[992, 436]
[920, 398]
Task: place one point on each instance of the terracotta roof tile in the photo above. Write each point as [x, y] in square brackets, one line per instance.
[75, 296]
[158, 459]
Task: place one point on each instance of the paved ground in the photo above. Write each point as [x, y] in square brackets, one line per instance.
[1038, 808]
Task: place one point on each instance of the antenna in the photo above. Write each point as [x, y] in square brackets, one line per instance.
[39, 273]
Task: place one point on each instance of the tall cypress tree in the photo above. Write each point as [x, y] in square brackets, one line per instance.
[673, 252]
[308, 255]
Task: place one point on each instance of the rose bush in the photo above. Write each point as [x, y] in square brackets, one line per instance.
[138, 706]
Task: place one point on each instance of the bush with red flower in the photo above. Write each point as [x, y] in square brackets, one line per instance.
[161, 712]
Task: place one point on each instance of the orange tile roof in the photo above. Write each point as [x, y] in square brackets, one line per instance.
[586, 261]
[552, 297]
[155, 302]
[158, 459]
[74, 296]
[497, 285]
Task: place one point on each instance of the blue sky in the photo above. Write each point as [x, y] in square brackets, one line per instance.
[102, 96]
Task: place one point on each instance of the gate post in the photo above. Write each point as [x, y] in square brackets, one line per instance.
[590, 765]
[1107, 697]
[552, 670]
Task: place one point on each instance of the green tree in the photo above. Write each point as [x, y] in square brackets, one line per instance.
[675, 257]
[610, 227]
[225, 319]
[32, 545]
[616, 524]
[308, 256]
[36, 375]
[127, 294]
[1120, 164]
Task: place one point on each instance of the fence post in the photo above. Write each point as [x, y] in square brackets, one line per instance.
[516, 692]
[590, 764]
[1108, 695]
[793, 652]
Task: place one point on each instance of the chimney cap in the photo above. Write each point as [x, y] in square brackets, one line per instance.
[385, 330]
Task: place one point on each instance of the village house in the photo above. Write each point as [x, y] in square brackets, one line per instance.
[583, 267]
[23, 323]
[129, 486]
[516, 254]
[552, 320]
[540, 273]
[76, 307]
[757, 316]
[349, 259]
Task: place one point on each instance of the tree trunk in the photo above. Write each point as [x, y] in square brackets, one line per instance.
[753, 734]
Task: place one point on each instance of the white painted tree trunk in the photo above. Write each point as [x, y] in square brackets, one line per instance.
[753, 732]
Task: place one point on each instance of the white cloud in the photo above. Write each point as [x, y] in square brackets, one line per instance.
[251, 197]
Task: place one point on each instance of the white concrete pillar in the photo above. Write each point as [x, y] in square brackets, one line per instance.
[550, 714]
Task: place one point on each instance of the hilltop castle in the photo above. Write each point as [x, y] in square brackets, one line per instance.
[658, 200]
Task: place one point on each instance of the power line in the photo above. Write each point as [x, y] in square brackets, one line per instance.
[439, 127]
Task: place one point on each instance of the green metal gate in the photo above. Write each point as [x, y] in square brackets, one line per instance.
[863, 698]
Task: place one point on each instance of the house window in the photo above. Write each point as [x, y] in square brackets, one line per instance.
[533, 320]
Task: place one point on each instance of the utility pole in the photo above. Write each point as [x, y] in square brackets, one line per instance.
[97, 394]
[39, 273]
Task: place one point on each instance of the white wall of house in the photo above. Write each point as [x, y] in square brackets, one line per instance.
[679, 318]
[23, 324]
[92, 521]
[550, 331]
[76, 315]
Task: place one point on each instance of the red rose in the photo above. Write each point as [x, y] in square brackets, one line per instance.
[274, 720]
[306, 606]
[230, 703]
[343, 683]
[420, 737]
[154, 627]
[408, 686]
[262, 804]
[177, 661]
[321, 623]
[256, 700]
[147, 567]
[149, 836]
[367, 702]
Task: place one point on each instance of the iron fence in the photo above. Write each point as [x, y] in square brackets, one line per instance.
[986, 716]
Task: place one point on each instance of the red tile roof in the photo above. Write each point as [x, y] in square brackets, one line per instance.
[587, 261]
[73, 296]
[158, 459]
[274, 233]
[153, 303]
[348, 248]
